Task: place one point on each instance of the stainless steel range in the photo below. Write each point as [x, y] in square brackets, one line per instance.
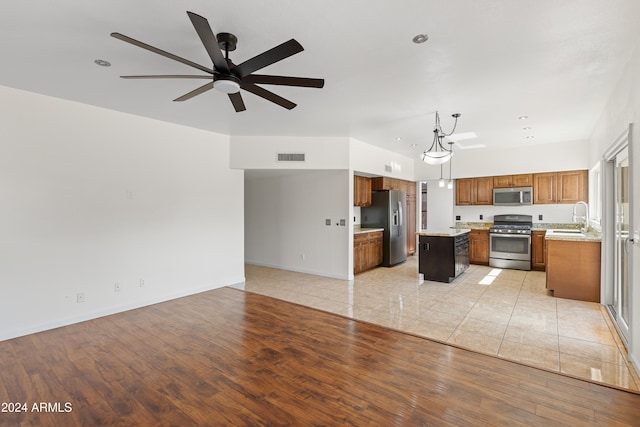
[510, 242]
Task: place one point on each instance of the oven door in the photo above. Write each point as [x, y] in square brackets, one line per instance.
[510, 246]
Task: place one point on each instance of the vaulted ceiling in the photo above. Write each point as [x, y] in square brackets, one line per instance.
[493, 61]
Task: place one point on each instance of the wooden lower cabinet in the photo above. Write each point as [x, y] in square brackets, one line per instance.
[479, 247]
[573, 269]
[538, 250]
[367, 251]
[411, 218]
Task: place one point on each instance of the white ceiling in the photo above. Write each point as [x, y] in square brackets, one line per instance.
[491, 60]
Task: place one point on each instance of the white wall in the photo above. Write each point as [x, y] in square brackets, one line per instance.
[371, 160]
[624, 108]
[285, 217]
[440, 205]
[527, 159]
[260, 152]
[91, 197]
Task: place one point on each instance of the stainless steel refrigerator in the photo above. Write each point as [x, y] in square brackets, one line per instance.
[388, 211]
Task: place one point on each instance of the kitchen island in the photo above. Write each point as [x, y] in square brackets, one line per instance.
[443, 254]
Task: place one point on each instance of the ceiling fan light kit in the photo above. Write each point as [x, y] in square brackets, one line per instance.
[228, 77]
[437, 154]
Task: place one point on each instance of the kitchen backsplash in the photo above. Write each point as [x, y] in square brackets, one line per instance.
[541, 213]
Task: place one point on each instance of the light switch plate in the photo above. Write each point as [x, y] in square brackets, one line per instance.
[327, 221]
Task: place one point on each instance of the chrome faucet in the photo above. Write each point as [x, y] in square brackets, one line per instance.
[584, 218]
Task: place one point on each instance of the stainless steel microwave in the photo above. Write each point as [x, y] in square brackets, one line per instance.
[515, 196]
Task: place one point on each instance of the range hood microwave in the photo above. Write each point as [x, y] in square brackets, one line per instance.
[516, 196]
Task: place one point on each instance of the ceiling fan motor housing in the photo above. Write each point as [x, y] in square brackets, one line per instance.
[226, 83]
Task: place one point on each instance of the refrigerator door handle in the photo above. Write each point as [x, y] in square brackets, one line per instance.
[400, 220]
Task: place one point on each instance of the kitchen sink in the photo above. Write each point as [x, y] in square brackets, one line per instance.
[568, 233]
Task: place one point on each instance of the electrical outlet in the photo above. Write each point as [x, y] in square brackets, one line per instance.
[116, 287]
[539, 217]
[80, 297]
[142, 283]
[457, 217]
[343, 222]
[327, 221]
[302, 256]
[481, 216]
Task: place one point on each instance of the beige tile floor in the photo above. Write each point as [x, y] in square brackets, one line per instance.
[503, 313]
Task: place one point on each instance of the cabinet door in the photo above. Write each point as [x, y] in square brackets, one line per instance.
[479, 247]
[538, 250]
[504, 181]
[411, 222]
[359, 261]
[484, 190]
[544, 187]
[464, 191]
[376, 249]
[572, 186]
[522, 180]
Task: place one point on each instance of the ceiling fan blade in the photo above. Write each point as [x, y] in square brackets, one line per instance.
[238, 103]
[160, 52]
[268, 95]
[283, 80]
[209, 41]
[268, 57]
[168, 76]
[198, 91]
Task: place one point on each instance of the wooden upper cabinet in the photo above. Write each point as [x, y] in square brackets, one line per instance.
[572, 186]
[544, 187]
[560, 187]
[464, 190]
[385, 183]
[474, 191]
[484, 190]
[361, 191]
[523, 180]
[506, 181]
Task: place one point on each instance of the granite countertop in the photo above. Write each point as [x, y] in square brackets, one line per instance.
[570, 235]
[474, 225]
[360, 230]
[447, 232]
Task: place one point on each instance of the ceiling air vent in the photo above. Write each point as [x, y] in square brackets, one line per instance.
[291, 157]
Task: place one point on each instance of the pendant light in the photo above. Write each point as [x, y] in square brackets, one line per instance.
[441, 181]
[437, 154]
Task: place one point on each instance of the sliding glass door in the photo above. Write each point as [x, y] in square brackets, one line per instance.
[620, 304]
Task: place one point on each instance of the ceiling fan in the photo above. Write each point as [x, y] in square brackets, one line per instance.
[226, 76]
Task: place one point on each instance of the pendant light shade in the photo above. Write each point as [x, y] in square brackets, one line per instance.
[437, 154]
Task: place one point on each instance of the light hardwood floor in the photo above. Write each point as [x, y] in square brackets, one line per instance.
[233, 358]
[503, 313]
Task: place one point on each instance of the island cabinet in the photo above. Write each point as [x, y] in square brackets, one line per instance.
[474, 191]
[361, 191]
[443, 256]
[538, 250]
[573, 269]
[479, 247]
[367, 251]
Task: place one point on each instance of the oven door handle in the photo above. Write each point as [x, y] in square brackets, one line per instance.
[512, 236]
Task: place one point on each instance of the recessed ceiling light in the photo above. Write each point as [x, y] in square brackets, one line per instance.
[102, 63]
[414, 145]
[398, 139]
[523, 117]
[530, 137]
[420, 38]
[526, 128]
